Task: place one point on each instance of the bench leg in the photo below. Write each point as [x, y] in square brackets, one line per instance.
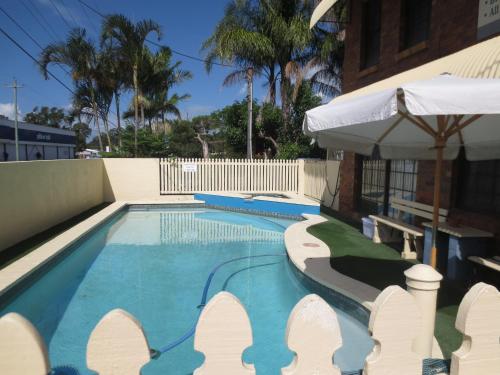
[376, 234]
[407, 252]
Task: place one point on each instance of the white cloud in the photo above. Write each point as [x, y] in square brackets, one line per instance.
[243, 90]
[7, 109]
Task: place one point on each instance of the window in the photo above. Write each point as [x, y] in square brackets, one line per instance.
[415, 22]
[479, 186]
[373, 186]
[370, 33]
[384, 179]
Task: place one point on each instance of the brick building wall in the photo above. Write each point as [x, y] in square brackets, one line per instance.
[453, 27]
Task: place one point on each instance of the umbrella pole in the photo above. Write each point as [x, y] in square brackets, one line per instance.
[437, 200]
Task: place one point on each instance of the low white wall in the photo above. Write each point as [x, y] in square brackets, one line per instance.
[36, 195]
[131, 179]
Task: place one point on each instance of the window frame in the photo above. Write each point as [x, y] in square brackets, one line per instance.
[370, 33]
[407, 40]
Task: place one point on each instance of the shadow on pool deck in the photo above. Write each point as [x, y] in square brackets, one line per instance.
[379, 265]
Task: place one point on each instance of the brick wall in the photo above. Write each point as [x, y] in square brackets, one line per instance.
[453, 27]
[350, 184]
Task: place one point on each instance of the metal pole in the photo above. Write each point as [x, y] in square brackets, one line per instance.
[250, 111]
[15, 120]
[440, 145]
[15, 86]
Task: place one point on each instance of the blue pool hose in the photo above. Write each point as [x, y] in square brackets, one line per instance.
[155, 353]
[431, 366]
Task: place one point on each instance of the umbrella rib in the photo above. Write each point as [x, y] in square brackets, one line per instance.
[390, 129]
[458, 127]
[416, 121]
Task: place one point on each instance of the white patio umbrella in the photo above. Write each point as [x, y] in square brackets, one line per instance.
[428, 119]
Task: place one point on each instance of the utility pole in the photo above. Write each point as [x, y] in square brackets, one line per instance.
[15, 86]
[250, 111]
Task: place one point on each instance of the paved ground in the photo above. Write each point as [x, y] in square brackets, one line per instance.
[379, 265]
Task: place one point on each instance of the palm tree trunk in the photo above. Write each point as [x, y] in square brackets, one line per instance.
[98, 127]
[250, 111]
[136, 107]
[106, 129]
[284, 98]
[143, 121]
[272, 86]
[118, 118]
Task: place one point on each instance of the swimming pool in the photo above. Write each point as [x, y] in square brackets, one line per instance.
[154, 263]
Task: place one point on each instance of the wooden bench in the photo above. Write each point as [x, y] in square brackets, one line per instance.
[412, 234]
[491, 263]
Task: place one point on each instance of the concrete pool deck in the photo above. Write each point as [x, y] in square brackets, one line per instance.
[312, 257]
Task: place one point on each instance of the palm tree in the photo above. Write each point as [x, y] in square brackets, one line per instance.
[130, 39]
[239, 39]
[270, 36]
[114, 76]
[158, 76]
[79, 54]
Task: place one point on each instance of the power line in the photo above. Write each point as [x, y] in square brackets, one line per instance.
[91, 22]
[22, 28]
[8, 36]
[60, 14]
[38, 20]
[29, 35]
[161, 45]
[68, 10]
[35, 7]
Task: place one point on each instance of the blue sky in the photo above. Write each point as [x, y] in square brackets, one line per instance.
[186, 24]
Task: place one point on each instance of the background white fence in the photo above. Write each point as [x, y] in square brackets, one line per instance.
[230, 175]
[321, 181]
[118, 345]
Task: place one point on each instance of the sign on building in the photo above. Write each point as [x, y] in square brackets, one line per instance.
[488, 21]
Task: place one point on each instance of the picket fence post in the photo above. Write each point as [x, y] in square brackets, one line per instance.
[313, 333]
[478, 319]
[117, 345]
[395, 322]
[22, 349]
[222, 334]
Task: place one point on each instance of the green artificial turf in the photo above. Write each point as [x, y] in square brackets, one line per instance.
[379, 265]
[22, 248]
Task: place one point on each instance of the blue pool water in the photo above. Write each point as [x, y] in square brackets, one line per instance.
[154, 264]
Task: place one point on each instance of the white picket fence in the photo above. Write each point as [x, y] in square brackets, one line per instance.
[118, 345]
[189, 176]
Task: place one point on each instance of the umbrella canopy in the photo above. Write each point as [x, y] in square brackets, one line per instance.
[426, 119]
[405, 122]
[320, 10]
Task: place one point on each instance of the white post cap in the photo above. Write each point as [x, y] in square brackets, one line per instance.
[423, 277]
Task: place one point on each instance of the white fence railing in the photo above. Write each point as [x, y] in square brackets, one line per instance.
[118, 344]
[230, 175]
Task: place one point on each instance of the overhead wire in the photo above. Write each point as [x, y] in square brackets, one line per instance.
[162, 45]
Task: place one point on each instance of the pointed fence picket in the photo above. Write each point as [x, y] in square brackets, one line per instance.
[118, 345]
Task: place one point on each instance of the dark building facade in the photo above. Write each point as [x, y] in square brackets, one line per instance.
[384, 38]
[36, 142]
